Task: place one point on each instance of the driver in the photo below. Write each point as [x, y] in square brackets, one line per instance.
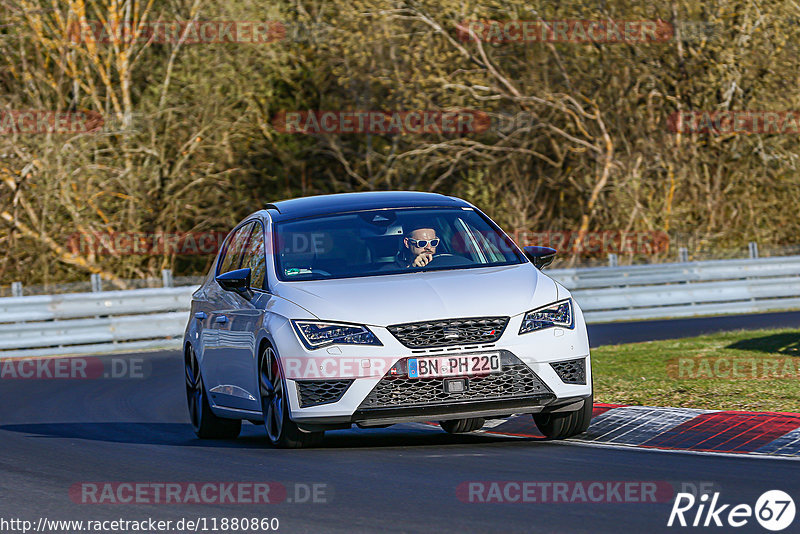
[419, 247]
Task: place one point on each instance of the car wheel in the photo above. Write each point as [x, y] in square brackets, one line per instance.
[204, 423]
[460, 426]
[281, 430]
[561, 425]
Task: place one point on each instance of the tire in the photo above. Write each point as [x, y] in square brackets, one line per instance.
[281, 430]
[562, 425]
[205, 424]
[461, 426]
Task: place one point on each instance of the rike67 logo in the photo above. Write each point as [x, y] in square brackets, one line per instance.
[774, 510]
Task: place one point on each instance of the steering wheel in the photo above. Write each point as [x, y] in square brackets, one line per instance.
[448, 260]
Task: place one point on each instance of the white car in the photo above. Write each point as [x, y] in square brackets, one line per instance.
[381, 308]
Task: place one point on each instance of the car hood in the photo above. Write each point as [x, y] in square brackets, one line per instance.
[402, 298]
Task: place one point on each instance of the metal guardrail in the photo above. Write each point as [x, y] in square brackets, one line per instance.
[684, 289]
[103, 303]
[93, 322]
[664, 273]
[155, 318]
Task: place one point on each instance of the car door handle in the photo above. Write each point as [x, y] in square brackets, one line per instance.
[200, 316]
[221, 319]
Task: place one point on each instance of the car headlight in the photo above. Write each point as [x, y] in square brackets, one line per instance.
[556, 314]
[316, 334]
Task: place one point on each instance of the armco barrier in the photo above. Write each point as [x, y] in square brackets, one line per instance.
[684, 289]
[155, 318]
[93, 322]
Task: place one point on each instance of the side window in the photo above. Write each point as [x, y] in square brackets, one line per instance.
[491, 244]
[254, 258]
[234, 249]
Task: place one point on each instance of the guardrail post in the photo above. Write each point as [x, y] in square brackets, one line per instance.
[16, 289]
[97, 283]
[753, 249]
[612, 260]
[166, 277]
[683, 254]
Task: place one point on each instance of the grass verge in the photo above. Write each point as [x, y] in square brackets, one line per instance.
[754, 370]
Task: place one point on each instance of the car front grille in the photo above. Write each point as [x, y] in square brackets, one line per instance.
[316, 392]
[515, 381]
[571, 371]
[448, 332]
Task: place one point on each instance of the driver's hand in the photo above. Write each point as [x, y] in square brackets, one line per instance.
[422, 260]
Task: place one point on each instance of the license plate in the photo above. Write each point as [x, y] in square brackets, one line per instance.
[467, 365]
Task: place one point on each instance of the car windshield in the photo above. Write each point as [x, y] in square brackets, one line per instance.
[389, 241]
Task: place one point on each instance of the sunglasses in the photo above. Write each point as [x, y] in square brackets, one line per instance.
[424, 243]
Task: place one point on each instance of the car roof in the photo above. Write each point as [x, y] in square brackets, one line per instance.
[344, 202]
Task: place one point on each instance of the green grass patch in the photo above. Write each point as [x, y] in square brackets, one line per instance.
[754, 370]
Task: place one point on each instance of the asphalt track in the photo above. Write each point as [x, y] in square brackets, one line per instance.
[55, 434]
[651, 330]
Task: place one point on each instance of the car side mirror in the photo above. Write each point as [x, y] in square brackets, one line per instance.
[237, 281]
[541, 257]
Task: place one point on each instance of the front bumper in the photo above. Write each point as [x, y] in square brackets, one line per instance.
[545, 379]
[396, 398]
[457, 410]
